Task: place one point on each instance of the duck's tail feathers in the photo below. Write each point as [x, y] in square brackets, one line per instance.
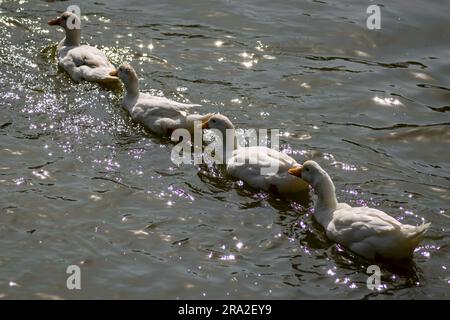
[99, 74]
[199, 117]
[185, 106]
[415, 234]
[420, 230]
[192, 105]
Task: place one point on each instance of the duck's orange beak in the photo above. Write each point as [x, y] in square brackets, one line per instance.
[205, 124]
[296, 171]
[54, 22]
[114, 73]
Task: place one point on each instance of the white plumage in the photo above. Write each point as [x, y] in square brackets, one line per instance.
[251, 164]
[366, 231]
[81, 62]
[158, 114]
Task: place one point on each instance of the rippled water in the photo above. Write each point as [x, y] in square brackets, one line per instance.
[82, 184]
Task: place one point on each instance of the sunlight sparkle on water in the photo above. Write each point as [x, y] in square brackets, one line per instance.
[245, 55]
[388, 102]
[305, 85]
[229, 257]
[269, 57]
[247, 64]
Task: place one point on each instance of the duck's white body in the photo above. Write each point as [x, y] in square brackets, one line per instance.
[249, 163]
[368, 232]
[81, 62]
[158, 114]
[371, 232]
[85, 63]
[260, 167]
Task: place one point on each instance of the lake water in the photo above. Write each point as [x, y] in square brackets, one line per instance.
[82, 184]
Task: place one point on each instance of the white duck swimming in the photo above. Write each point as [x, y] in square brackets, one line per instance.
[251, 164]
[81, 62]
[158, 114]
[368, 232]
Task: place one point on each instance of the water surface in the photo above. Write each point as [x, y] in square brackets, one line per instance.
[82, 184]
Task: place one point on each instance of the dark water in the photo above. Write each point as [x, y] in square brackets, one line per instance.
[82, 184]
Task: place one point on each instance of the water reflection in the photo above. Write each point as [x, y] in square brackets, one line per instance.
[387, 101]
[110, 197]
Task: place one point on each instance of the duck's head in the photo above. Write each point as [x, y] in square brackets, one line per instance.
[310, 171]
[218, 121]
[125, 73]
[67, 20]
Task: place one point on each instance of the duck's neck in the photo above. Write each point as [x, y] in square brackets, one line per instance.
[73, 38]
[229, 144]
[132, 89]
[326, 200]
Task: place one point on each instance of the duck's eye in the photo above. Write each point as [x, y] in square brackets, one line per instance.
[306, 169]
[213, 121]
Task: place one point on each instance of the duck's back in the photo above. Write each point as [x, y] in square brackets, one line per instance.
[371, 232]
[147, 112]
[164, 104]
[151, 111]
[264, 168]
[84, 55]
[86, 63]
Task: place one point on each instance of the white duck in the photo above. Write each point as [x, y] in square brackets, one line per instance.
[368, 232]
[158, 114]
[251, 164]
[81, 62]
